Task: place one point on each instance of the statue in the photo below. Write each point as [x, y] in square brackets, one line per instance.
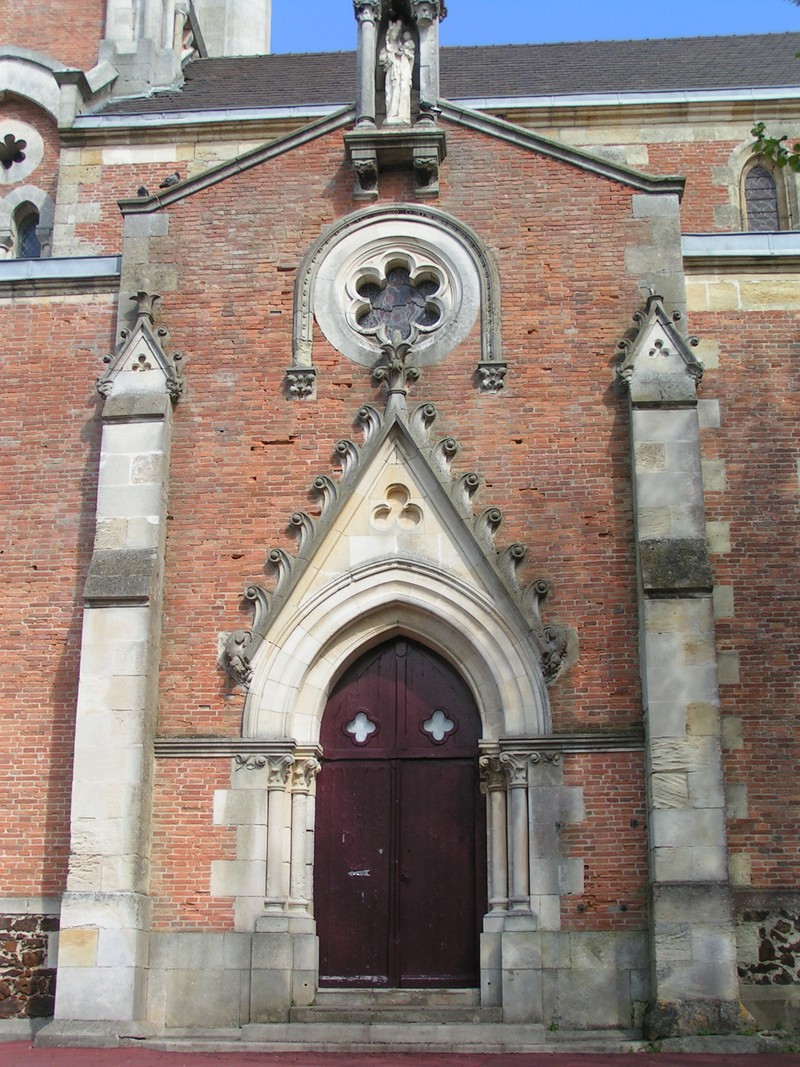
[397, 59]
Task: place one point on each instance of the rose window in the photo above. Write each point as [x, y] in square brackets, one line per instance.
[11, 151]
[399, 304]
[397, 297]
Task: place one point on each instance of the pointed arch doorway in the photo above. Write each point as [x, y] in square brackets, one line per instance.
[400, 865]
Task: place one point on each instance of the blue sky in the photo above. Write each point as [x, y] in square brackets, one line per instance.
[329, 25]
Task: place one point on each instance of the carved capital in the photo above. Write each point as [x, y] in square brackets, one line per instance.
[515, 765]
[300, 383]
[251, 762]
[304, 771]
[491, 377]
[493, 774]
[366, 171]
[367, 10]
[552, 758]
[426, 168]
[278, 771]
[427, 11]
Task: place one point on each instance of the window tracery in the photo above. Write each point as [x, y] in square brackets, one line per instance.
[764, 198]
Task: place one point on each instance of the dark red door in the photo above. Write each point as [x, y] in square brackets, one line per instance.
[400, 882]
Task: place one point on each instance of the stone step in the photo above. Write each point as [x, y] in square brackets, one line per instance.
[368, 998]
[430, 1007]
[392, 1037]
[395, 1013]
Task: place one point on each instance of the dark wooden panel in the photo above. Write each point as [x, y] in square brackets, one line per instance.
[437, 906]
[353, 865]
[436, 714]
[367, 688]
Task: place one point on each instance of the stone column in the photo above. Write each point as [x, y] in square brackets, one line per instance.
[493, 785]
[105, 914]
[285, 955]
[538, 803]
[278, 859]
[304, 771]
[693, 950]
[428, 14]
[367, 14]
[516, 765]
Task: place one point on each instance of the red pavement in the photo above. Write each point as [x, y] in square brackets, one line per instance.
[23, 1054]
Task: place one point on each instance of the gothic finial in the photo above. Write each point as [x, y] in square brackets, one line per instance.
[146, 305]
[395, 370]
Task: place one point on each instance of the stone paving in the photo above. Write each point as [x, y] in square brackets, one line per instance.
[24, 1054]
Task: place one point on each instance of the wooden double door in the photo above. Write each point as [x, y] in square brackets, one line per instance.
[400, 882]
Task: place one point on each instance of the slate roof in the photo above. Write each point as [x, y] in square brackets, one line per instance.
[670, 64]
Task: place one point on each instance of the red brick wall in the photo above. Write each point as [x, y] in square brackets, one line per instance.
[69, 32]
[52, 352]
[696, 162]
[757, 384]
[185, 842]
[611, 841]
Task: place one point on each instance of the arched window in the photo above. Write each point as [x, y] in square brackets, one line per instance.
[26, 240]
[764, 199]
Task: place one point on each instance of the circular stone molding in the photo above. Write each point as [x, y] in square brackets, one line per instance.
[434, 268]
[23, 150]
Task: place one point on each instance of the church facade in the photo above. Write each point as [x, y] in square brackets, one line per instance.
[401, 489]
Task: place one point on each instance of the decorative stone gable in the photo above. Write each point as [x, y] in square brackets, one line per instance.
[140, 366]
[398, 508]
[657, 364]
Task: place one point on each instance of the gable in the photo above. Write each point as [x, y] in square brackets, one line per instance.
[452, 114]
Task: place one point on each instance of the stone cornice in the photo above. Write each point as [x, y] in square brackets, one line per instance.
[221, 747]
[229, 747]
[622, 109]
[42, 277]
[576, 157]
[607, 741]
[164, 198]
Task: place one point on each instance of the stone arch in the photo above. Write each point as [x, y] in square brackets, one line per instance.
[294, 671]
[733, 216]
[780, 199]
[381, 219]
[29, 76]
[44, 207]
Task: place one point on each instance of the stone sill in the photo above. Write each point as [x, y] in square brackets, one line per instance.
[773, 251]
[60, 274]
